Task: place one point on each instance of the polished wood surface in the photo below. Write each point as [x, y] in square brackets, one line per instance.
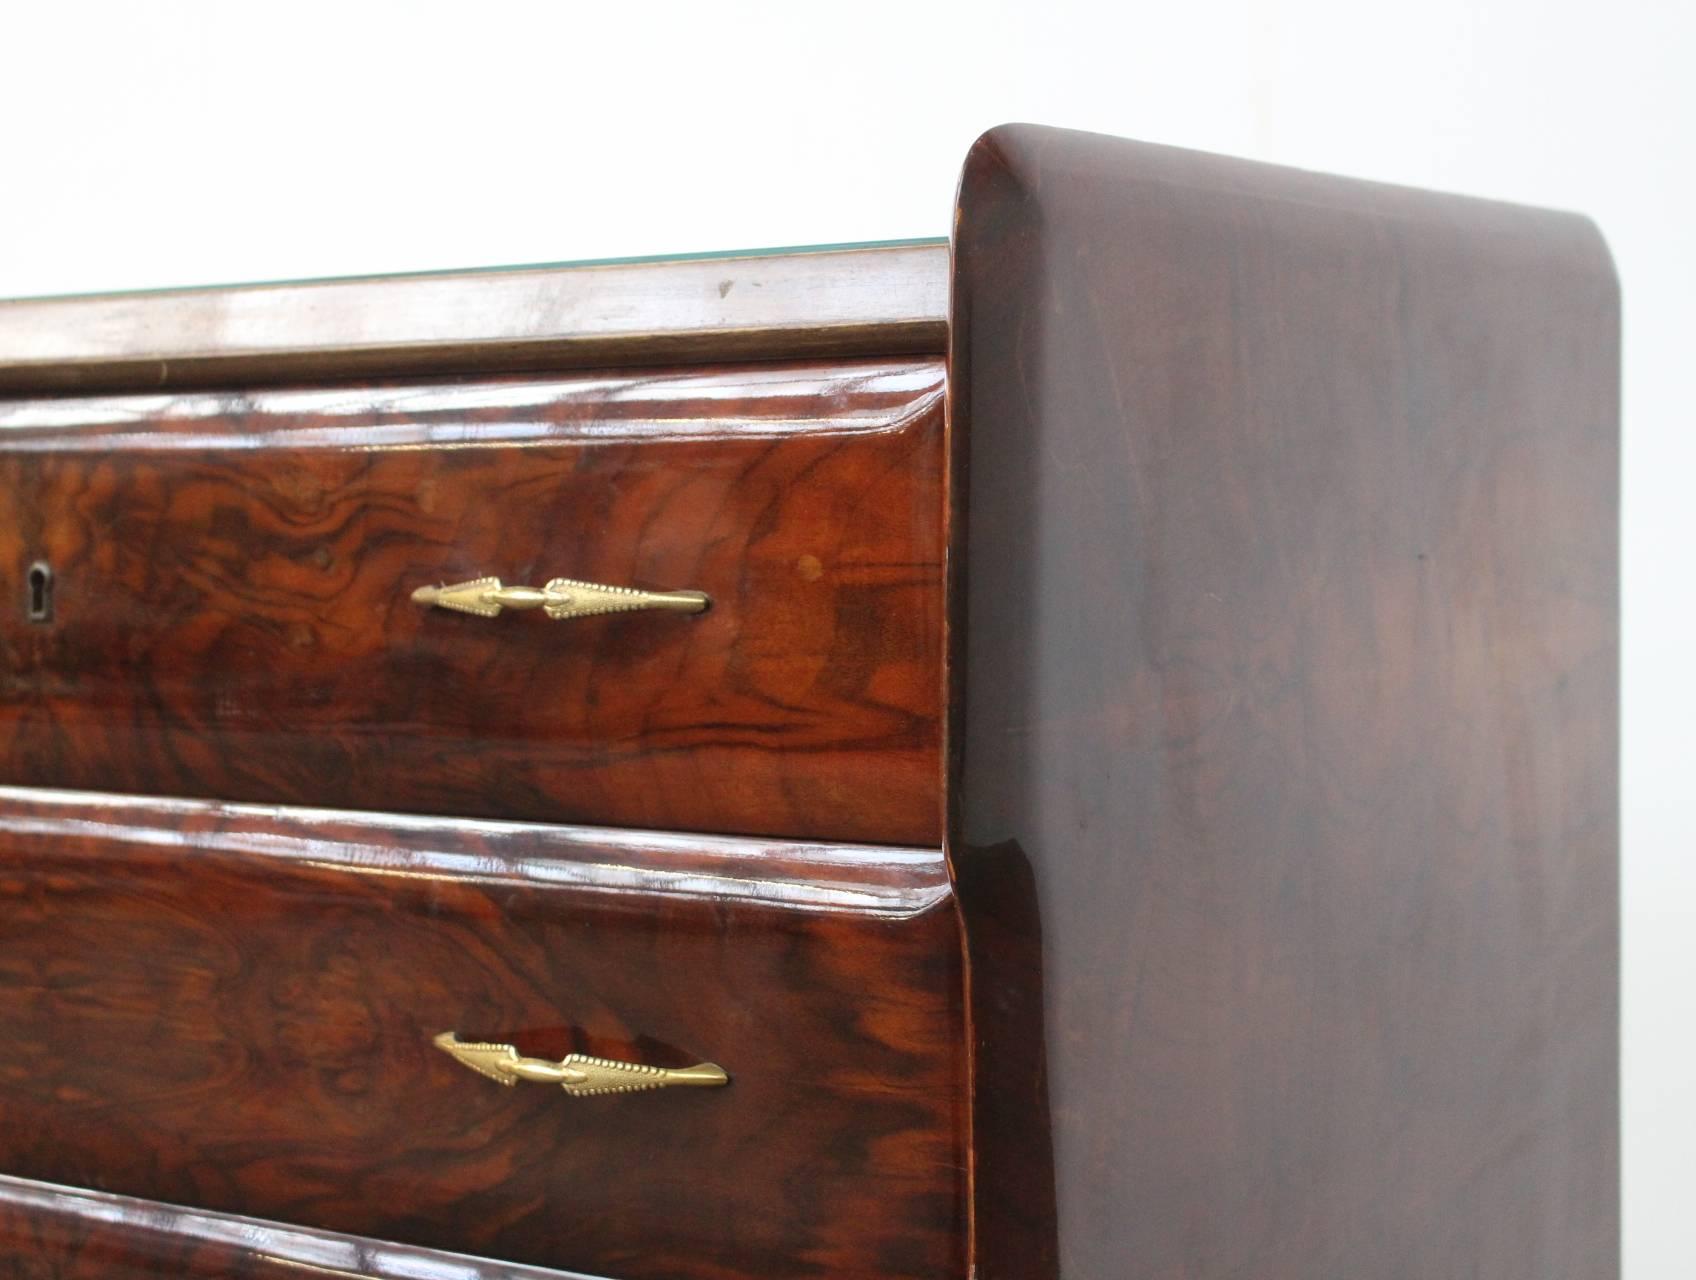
[1285, 755]
[67, 1234]
[876, 300]
[231, 612]
[1259, 918]
[231, 1009]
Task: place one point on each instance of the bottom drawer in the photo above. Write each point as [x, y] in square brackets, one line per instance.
[234, 1008]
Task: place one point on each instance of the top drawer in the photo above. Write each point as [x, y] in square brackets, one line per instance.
[211, 595]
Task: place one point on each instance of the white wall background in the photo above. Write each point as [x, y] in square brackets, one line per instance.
[173, 143]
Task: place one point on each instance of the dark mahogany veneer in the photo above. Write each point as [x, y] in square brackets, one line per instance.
[1285, 653]
[1143, 805]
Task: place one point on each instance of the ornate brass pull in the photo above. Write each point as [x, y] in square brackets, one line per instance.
[560, 598]
[578, 1074]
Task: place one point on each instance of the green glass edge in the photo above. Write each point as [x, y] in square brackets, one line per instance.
[781, 251]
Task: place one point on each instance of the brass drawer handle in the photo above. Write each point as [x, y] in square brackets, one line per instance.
[560, 598]
[578, 1074]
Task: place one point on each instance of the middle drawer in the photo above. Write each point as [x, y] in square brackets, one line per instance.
[212, 595]
[238, 1009]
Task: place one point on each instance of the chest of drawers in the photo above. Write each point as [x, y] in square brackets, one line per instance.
[1086, 751]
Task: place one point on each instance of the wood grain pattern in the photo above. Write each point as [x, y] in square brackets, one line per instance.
[232, 616]
[875, 300]
[1287, 666]
[60, 1233]
[232, 1009]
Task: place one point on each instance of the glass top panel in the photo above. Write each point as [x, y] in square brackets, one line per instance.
[516, 266]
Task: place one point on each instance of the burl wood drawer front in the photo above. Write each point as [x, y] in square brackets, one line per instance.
[230, 614]
[233, 1009]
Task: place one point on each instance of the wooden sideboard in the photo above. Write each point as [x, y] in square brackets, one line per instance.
[1088, 752]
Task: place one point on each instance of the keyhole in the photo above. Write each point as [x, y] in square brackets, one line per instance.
[40, 593]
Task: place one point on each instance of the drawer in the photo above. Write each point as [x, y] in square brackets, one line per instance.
[212, 595]
[235, 1009]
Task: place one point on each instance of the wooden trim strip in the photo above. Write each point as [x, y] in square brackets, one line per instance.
[774, 401]
[890, 300]
[84, 1233]
[871, 880]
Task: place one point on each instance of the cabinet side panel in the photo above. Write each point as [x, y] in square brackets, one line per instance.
[1286, 666]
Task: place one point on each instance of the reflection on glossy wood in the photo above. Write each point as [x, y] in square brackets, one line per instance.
[67, 1234]
[1287, 657]
[876, 300]
[234, 1010]
[1282, 792]
[233, 615]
